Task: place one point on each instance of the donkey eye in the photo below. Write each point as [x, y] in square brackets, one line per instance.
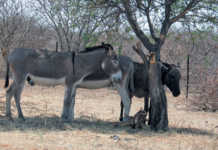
[114, 61]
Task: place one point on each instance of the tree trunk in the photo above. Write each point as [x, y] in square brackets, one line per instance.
[158, 116]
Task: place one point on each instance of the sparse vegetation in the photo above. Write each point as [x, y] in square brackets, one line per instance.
[95, 124]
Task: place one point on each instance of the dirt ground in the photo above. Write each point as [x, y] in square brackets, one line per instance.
[96, 113]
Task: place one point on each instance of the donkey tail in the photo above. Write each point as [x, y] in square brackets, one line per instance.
[7, 76]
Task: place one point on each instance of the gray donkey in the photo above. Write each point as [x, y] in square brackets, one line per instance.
[59, 68]
[100, 79]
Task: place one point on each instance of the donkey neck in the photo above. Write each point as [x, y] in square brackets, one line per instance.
[90, 61]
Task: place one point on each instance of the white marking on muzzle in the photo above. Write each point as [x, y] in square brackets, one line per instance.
[116, 76]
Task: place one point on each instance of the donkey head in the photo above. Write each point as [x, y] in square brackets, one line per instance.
[171, 77]
[111, 65]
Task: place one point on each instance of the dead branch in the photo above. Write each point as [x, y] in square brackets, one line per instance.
[139, 51]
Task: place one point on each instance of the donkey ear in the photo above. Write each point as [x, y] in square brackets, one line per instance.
[164, 66]
[108, 46]
[111, 52]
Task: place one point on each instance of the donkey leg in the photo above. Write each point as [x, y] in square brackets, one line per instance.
[9, 94]
[127, 104]
[67, 104]
[146, 107]
[121, 111]
[17, 95]
[121, 107]
[149, 115]
[125, 100]
[73, 95]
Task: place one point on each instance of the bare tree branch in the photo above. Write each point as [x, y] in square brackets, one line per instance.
[151, 27]
[140, 34]
[139, 51]
[191, 4]
[166, 23]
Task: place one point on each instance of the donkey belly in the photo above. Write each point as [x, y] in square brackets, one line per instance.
[94, 84]
[47, 81]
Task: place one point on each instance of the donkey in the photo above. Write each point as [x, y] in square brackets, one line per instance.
[100, 79]
[58, 68]
[170, 77]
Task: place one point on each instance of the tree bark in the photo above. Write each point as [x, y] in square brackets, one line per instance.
[158, 117]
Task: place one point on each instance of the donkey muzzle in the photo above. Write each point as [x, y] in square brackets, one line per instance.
[116, 77]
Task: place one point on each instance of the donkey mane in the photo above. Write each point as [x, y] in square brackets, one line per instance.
[98, 47]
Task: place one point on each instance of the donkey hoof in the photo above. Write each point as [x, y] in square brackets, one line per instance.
[66, 119]
[21, 119]
[126, 119]
[9, 117]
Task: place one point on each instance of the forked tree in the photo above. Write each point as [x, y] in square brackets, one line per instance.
[151, 21]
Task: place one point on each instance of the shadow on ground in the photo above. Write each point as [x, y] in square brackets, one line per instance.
[54, 123]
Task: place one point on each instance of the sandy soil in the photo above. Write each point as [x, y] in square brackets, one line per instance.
[96, 112]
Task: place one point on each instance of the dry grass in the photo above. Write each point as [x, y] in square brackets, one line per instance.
[96, 113]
